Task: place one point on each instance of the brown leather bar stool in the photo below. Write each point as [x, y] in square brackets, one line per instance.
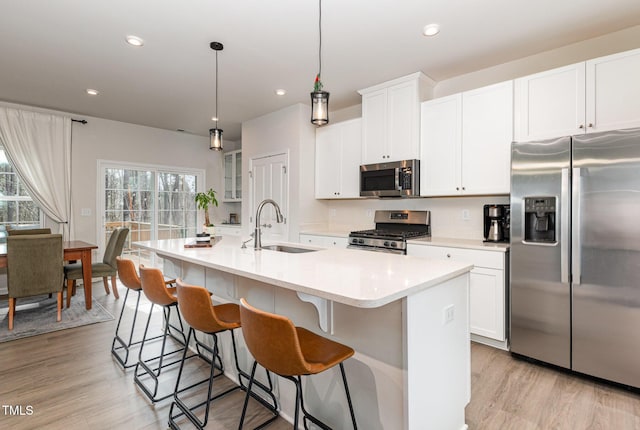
[128, 276]
[203, 316]
[156, 291]
[290, 351]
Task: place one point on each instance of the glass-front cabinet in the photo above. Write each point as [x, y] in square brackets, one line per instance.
[233, 176]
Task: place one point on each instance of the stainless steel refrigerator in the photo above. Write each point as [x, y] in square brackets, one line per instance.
[575, 253]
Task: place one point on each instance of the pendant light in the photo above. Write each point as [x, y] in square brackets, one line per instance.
[215, 134]
[319, 98]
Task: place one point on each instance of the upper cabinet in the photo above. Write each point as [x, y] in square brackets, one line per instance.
[391, 118]
[613, 92]
[465, 142]
[597, 95]
[338, 159]
[232, 176]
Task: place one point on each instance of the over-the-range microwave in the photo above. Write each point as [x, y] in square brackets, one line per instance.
[390, 179]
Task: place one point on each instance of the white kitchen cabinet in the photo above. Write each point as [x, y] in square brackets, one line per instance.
[227, 230]
[391, 118]
[613, 92]
[598, 95]
[487, 289]
[232, 176]
[466, 142]
[338, 159]
[324, 241]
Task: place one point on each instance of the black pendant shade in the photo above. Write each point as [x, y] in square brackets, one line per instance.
[319, 107]
[215, 139]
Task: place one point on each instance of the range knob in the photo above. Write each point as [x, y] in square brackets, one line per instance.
[394, 244]
[386, 243]
[360, 241]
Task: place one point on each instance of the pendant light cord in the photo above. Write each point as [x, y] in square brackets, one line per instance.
[320, 44]
[216, 89]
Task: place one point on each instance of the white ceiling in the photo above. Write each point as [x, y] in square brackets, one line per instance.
[51, 51]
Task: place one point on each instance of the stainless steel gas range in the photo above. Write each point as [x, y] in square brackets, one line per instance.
[393, 229]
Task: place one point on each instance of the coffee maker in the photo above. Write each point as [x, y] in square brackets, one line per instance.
[497, 220]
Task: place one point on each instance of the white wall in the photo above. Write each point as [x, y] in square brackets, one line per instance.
[447, 212]
[288, 130]
[118, 141]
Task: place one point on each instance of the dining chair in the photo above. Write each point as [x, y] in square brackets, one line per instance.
[27, 231]
[34, 267]
[107, 268]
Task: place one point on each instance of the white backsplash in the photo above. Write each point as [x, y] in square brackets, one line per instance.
[454, 217]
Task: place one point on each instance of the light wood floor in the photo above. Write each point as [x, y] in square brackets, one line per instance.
[71, 382]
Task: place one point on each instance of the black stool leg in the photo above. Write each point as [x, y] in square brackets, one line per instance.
[346, 390]
[119, 343]
[269, 390]
[186, 410]
[271, 407]
[154, 373]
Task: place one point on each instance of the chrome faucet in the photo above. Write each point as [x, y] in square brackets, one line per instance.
[257, 233]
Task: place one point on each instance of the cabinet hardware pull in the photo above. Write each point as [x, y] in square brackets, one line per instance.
[590, 125]
[448, 255]
[581, 126]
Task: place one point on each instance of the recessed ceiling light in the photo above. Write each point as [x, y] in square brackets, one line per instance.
[281, 92]
[92, 92]
[134, 40]
[431, 29]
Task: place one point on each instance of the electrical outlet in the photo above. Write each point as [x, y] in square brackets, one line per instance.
[465, 214]
[448, 314]
[85, 212]
[370, 213]
[332, 213]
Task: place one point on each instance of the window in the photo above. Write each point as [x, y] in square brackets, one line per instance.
[16, 207]
[152, 201]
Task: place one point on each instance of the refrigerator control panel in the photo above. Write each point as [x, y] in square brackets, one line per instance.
[540, 219]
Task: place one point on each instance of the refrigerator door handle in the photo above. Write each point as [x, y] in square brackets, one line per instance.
[564, 227]
[576, 245]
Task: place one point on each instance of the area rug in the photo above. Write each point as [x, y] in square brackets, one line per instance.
[37, 315]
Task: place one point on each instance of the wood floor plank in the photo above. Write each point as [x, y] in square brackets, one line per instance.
[71, 381]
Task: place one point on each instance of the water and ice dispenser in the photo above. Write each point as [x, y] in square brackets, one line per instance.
[540, 219]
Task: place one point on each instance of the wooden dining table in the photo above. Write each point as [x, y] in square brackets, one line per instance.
[73, 250]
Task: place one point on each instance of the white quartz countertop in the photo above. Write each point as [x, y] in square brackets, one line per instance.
[461, 243]
[352, 277]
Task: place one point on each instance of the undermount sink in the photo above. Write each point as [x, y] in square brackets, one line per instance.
[289, 249]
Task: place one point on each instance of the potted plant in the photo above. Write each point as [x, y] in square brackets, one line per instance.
[203, 200]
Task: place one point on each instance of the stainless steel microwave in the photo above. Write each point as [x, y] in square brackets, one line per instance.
[391, 179]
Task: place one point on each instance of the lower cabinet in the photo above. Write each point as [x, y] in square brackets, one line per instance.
[488, 281]
[324, 241]
[228, 230]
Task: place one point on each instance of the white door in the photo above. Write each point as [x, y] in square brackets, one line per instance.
[441, 137]
[403, 117]
[374, 127]
[550, 104]
[487, 133]
[328, 161]
[613, 92]
[269, 180]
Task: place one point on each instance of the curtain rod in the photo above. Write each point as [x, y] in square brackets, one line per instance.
[81, 121]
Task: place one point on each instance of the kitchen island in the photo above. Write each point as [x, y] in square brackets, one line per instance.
[406, 317]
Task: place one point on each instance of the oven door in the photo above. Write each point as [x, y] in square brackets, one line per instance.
[377, 249]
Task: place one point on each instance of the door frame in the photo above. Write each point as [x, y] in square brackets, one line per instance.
[252, 208]
[104, 164]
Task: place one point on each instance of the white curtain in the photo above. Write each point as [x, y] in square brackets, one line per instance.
[39, 148]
